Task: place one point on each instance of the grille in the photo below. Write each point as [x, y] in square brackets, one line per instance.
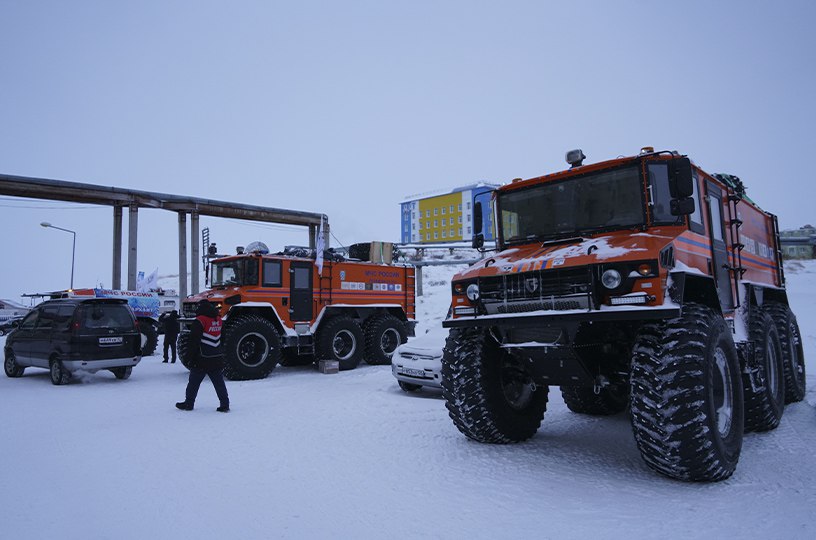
[539, 290]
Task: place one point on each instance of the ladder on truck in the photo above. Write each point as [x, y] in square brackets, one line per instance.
[736, 191]
[778, 251]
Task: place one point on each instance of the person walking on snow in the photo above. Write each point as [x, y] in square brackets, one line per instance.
[205, 357]
[170, 322]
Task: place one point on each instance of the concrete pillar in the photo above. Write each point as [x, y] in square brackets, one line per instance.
[419, 280]
[182, 238]
[133, 251]
[195, 255]
[312, 236]
[116, 278]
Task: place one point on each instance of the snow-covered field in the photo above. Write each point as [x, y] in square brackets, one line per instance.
[306, 455]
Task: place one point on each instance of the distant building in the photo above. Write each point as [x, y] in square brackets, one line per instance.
[446, 217]
[799, 243]
[9, 310]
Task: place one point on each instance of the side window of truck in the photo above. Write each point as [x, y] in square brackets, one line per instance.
[272, 274]
[696, 219]
[661, 199]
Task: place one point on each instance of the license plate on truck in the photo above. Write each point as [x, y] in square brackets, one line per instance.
[110, 340]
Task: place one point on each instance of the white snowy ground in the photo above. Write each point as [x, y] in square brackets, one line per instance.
[306, 455]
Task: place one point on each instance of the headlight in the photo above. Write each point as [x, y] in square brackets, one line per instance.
[611, 279]
[473, 292]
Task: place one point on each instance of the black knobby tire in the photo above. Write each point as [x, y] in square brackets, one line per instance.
[10, 365]
[150, 337]
[408, 387]
[488, 394]
[59, 375]
[252, 348]
[609, 400]
[793, 354]
[181, 348]
[686, 396]
[383, 334]
[341, 338]
[765, 405]
[122, 373]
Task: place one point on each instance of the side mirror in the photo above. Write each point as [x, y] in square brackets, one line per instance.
[478, 236]
[478, 241]
[681, 181]
[682, 207]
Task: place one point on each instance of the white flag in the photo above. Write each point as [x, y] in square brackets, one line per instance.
[320, 247]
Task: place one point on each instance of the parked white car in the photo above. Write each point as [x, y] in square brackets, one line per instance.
[418, 363]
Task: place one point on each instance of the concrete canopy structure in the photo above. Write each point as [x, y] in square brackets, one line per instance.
[119, 198]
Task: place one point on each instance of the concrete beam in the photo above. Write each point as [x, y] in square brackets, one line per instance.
[194, 253]
[116, 278]
[133, 250]
[182, 238]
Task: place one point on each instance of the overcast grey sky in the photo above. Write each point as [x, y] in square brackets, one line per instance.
[345, 108]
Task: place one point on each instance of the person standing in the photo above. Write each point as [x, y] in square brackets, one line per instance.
[170, 322]
[205, 357]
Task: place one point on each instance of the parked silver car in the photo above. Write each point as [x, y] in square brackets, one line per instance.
[418, 363]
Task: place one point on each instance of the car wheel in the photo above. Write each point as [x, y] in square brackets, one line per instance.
[2, 332]
[13, 369]
[122, 373]
[59, 375]
[408, 387]
[341, 339]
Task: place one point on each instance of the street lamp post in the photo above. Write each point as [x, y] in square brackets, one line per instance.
[73, 247]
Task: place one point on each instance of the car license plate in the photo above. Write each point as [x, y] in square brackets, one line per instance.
[110, 340]
[413, 372]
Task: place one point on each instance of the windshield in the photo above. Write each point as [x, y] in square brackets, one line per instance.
[608, 199]
[234, 272]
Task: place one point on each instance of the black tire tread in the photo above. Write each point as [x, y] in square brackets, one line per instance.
[667, 389]
[373, 329]
[761, 412]
[325, 337]
[233, 370]
[783, 318]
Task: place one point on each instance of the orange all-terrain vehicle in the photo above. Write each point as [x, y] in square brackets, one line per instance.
[640, 281]
[282, 309]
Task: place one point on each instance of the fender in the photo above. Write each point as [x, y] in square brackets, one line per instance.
[694, 287]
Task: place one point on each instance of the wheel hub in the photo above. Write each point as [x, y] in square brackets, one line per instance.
[252, 349]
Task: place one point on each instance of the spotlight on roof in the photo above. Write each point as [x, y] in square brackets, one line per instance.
[575, 157]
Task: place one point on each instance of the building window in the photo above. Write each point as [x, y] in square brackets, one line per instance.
[436, 211]
[460, 207]
[427, 213]
[468, 218]
[468, 230]
[444, 235]
[451, 209]
[436, 223]
[460, 231]
[413, 216]
[436, 235]
[468, 206]
[413, 238]
[420, 225]
[444, 222]
[451, 233]
[427, 236]
[460, 219]
[443, 210]
[413, 226]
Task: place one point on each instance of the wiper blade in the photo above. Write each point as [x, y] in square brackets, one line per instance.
[563, 240]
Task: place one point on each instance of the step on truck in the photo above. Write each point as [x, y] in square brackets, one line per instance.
[282, 309]
[643, 282]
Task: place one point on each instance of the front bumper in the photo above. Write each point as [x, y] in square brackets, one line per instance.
[539, 318]
[424, 370]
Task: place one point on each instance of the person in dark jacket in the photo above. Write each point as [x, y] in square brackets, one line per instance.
[170, 323]
[205, 357]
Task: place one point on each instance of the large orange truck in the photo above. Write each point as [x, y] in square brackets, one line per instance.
[641, 281]
[286, 309]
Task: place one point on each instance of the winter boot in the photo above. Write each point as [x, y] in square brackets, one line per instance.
[223, 408]
[184, 406]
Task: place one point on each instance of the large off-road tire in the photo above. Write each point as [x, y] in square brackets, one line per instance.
[59, 375]
[252, 348]
[609, 400]
[181, 348]
[793, 354]
[10, 365]
[341, 339]
[150, 337]
[489, 395]
[686, 396]
[383, 334]
[765, 405]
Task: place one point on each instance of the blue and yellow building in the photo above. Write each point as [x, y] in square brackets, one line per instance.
[446, 217]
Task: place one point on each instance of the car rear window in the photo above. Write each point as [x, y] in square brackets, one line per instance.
[109, 316]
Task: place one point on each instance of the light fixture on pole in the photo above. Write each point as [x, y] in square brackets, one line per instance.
[73, 247]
